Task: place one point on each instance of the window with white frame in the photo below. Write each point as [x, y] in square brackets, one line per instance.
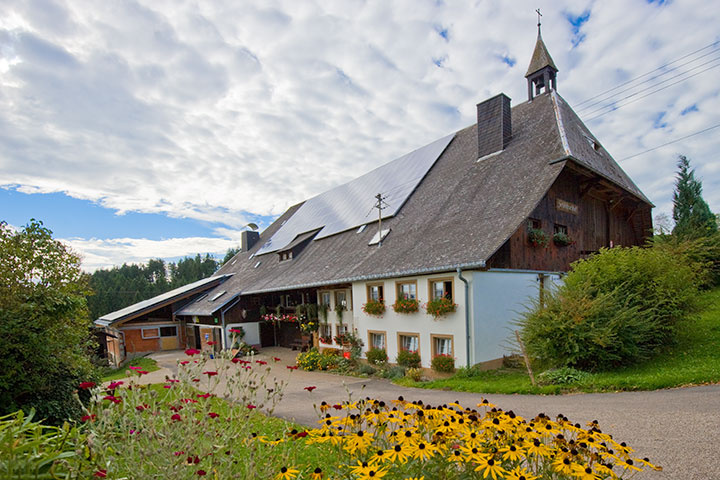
[442, 345]
[341, 299]
[325, 298]
[325, 330]
[409, 342]
[377, 339]
[342, 329]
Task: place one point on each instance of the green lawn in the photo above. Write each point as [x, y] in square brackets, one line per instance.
[694, 360]
[147, 364]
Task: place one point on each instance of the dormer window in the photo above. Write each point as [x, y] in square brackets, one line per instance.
[593, 143]
[286, 255]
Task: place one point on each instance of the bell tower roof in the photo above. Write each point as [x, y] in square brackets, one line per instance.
[541, 57]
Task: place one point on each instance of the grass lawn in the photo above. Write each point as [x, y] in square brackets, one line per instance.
[694, 360]
[147, 364]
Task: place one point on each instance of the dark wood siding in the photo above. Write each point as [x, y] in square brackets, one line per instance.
[602, 219]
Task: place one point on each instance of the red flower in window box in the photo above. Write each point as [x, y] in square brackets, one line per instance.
[440, 307]
[376, 308]
[406, 305]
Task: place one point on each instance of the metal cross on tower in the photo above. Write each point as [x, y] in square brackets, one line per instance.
[539, 15]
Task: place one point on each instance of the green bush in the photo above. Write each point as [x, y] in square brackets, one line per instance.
[562, 376]
[443, 363]
[377, 356]
[408, 359]
[310, 360]
[702, 252]
[328, 362]
[414, 374]
[366, 369]
[614, 309]
[391, 371]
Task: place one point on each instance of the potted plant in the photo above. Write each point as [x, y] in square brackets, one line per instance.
[406, 305]
[562, 239]
[440, 307]
[326, 340]
[537, 237]
[376, 308]
[339, 309]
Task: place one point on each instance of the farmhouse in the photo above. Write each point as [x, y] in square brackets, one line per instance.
[477, 223]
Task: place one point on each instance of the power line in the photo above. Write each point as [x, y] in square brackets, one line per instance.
[615, 107]
[648, 73]
[587, 107]
[670, 143]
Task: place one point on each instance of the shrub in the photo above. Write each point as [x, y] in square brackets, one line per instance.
[366, 369]
[406, 305]
[377, 356]
[562, 376]
[414, 374]
[376, 308]
[440, 307]
[408, 359]
[310, 360]
[616, 308]
[391, 371]
[328, 362]
[443, 363]
[703, 253]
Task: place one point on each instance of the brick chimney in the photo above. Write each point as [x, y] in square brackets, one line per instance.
[494, 124]
[248, 238]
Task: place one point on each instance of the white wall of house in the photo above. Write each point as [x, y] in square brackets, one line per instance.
[420, 323]
[498, 299]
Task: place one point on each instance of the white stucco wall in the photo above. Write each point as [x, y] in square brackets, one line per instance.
[420, 322]
[498, 298]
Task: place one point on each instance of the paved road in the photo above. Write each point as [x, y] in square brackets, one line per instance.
[676, 428]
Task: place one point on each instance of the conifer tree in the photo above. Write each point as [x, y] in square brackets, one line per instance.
[691, 212]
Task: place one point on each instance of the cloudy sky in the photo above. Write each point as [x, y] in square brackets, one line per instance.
[140, 129]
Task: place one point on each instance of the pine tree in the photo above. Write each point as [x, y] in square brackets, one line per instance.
[691, 212]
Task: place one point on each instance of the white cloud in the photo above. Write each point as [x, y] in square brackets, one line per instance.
[218, 110]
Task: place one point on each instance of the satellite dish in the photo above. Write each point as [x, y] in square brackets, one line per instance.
[252, 226]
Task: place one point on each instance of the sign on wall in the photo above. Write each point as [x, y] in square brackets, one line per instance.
[565, 206]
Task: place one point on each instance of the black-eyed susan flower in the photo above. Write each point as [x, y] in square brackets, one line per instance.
[287, 473]
[316, 474]
[490, 467]
[519, 473]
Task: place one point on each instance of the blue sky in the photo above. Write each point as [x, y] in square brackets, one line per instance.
[166, 133]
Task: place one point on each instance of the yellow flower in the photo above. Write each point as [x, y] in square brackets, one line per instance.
[317, 474]
[646, 462]
[563, 464]
[358, 441]
[518, 473]
[490, 467]
[286, 473]
[512, 453]
[399, 453]
[423, 451]
[536, 447]
[629, 465]
[372, 474]
[584, 472]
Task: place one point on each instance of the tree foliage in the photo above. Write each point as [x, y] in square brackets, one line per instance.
[119, 287]
[230, 254]
[691, 212]
[44, 324]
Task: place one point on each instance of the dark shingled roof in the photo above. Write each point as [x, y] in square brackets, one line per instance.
[459, 215]
[541, 58]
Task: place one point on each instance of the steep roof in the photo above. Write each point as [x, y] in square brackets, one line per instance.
[140, 308]
[459, 215]
[540, 58]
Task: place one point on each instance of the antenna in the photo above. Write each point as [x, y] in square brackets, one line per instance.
[380, 205]
[539, 15]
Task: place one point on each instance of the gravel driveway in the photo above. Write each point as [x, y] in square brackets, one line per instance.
[678, 429]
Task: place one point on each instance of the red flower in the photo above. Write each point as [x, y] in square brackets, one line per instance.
[184, 362]
[310, 389]
[85, 418]
[172, 380]
[292, 367]
[251, 406]
[167, 386]
[177, 454]
[201, 472]
[204, 395]
[143, 372]
[337, 407]
[189, 400]
[114, 385]
[86, 385]
[112, 398]
[140, 408]
[191, 351]
[213, 415]
[195, 379]
[235, 330]
[176, 417]
[175, 408]
[302, 434]
[212, 342]
[134, 368]
[236, 360]
[260, 362]
[276, 359]
[101, 473]
[210, 374]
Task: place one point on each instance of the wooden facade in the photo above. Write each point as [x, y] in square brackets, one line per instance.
[594, 213]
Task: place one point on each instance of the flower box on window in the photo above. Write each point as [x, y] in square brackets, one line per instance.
[537, 237]
[562, 239]
[376, 308]
[440, 307]
[406, 305]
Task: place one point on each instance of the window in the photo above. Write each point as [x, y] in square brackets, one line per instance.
[441, 288]
[407, 290]
[325, 330]
[325, 298]
[409, 342]
[342, 329]
[375, 292]
[341, 298]
[152, 332]
[560, 229]
[168, 331]
[442, 345]
[376, 339]
[534, 224]
[285, 255]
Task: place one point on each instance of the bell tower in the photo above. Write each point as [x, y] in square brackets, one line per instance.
[542, 70]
